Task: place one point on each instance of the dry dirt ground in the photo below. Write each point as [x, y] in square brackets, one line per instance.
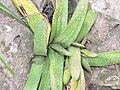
[16, 45]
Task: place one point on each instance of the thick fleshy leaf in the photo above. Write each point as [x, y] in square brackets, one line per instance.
[104, 59]
[81, 81]
[89, 21]
[73, 84]
[38, 24]
[78, 45]
[35, 75]
[25, 7]
[60, 49]
[40, 39]
[60, 18]
[56, 70]
[89, 53]
[45, 79]
[86, 66]
[75, 62]
[69, 35]
[66, 76]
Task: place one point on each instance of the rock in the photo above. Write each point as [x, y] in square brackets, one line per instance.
[105, 36]
[107, 7]
[40, 4]
[16, 46]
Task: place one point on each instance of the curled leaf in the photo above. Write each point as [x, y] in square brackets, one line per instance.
[66, 76]
[60, 49]
[89, 53]
[78, 45]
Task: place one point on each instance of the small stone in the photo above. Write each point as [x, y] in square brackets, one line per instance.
[8, 28]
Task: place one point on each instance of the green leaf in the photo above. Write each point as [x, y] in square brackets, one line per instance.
[81, 81]
[56, 70]
[75, 62]
[73, 84]
[60, 18]
[40, 39]
[26, 7]
[78, 45]
[60, 49]
[66, 76]
[34, 21]
[34, 75]
[89, 53]
[12, 14]
[62, 15]
[89, 21]
[104, 59]
[6, 65]
[69, 34]
[86, 66]
[45, 79]
[38, 60]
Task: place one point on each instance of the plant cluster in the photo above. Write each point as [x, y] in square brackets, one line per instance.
[61, 59]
